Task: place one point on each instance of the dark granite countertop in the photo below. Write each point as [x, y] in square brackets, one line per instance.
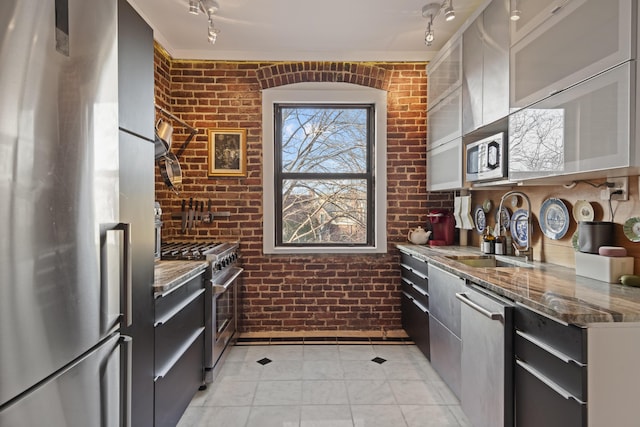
[171, 274]
[547, 288]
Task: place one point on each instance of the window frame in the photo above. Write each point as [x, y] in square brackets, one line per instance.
[336, 94]
[368, 175]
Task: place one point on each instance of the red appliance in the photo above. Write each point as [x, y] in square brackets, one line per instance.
[442, 227]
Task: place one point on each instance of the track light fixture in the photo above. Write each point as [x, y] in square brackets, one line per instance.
[193, 7]
[515, 12]
[428, 34]
[449, 13]
[209, 8]
[212, 33]
[431, 11]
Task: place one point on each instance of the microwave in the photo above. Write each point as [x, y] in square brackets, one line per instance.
[487, 159]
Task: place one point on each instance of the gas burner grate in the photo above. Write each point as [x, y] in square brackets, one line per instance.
[186, 250]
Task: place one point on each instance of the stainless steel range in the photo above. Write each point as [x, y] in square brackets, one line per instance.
[221, 294]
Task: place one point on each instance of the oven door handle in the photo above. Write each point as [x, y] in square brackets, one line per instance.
[228, 276]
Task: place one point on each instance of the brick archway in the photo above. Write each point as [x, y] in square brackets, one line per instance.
[298, 72]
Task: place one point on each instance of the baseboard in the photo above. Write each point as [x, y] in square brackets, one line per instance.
[324, 337]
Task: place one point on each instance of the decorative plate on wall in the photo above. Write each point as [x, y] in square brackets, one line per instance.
[631, 229]
[519, 231]
[574, 241]
[479, 219]
[554, 218]
[582, 211]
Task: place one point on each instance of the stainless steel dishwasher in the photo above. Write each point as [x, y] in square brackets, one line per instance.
[487, 353]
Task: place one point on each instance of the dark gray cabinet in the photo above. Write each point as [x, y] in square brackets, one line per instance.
[415, 300]
[550, 372]
[444, 326]
[179, 349]
[135, 73]
[136, 117]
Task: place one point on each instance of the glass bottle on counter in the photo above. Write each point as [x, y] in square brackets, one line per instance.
[488, 242]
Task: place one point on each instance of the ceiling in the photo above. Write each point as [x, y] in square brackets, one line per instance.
[295, 30]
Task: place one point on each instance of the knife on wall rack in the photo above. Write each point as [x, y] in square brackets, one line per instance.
[183, 216]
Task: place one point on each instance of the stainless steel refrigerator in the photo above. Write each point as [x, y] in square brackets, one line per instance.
[65, 252]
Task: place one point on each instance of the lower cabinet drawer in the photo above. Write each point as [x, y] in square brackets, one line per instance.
[568, 339]
[538, 404]
[415, 292]
[415, 321]
[564, 372]
[422, 267]
[446, 354]
[174, 335]
[165, 304]
[176, 388]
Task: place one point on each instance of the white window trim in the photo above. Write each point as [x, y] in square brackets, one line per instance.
[335, 93]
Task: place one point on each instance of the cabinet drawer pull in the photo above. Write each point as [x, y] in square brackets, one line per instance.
[162, 371]
[414, 271]
[416, 303]
[178, 308]
[408, 282]
[420, 290]
[548, 382]
[465, 299]
[558, 354]
[421, 307]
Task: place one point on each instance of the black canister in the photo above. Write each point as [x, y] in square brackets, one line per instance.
[593, 234]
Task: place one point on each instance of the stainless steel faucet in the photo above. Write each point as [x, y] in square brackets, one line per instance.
[528, 250]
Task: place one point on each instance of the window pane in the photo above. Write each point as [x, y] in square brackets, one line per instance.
[324, 211]
[321, 140]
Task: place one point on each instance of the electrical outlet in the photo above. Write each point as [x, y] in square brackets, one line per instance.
[619, 184]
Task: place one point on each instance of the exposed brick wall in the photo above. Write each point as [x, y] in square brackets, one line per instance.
[280, 74]
[162, 76]
[298, 293]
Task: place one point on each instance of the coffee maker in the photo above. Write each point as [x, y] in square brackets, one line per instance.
[442, 226]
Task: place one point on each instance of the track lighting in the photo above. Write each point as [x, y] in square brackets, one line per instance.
[208, 7]
[428, 37]
[430, 12]
[449, 13]
[515, 12]
[194, 5]
[212, 33]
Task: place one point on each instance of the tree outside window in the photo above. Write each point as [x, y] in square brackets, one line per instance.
[324, 175]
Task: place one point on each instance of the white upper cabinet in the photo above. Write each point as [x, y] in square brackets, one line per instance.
[485, 64]
[584, 129]
[532, 14]
[444, 121]
[444, 73]
[444, 166]
[565, 43]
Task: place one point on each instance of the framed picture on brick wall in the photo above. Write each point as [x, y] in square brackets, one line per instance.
[227, 152]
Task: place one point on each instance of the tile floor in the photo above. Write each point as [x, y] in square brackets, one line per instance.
[322, 385]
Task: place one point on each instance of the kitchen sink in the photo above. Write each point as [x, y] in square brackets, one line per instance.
[488, 261]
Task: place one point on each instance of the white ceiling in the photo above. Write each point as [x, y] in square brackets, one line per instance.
[294, 30]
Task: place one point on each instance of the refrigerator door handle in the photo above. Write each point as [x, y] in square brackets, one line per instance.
[126, 279]
[126, 381]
